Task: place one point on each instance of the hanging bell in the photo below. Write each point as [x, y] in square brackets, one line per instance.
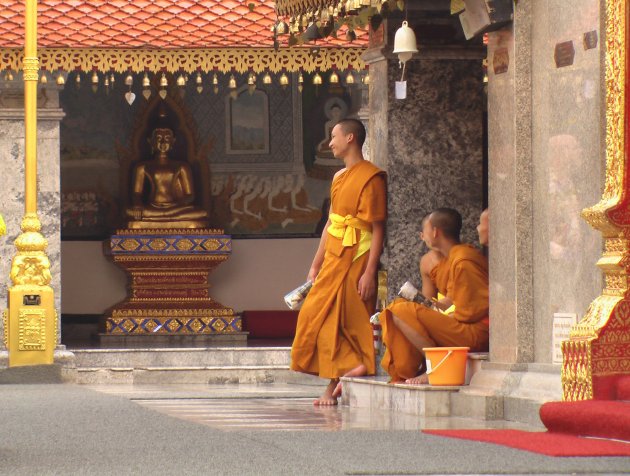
[366, 78]
[232, 82]
[129, 80]
[334, 78]
[251, 83]
[215, 80]
[112, 79]
[266, 78]
[181, 81]
[94, 82]
[77, 80]
[350, 78]
[163, 81]
[405, 44]
[8, 76]
[199, 83]
[60, 80]
[44, 78]
[284, 80]
[317, 79]
[146, 82]
[282, 28]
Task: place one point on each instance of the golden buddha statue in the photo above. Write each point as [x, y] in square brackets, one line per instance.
[170, 190]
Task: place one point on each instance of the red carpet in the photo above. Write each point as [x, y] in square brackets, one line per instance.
[598, 418]
[551, 444]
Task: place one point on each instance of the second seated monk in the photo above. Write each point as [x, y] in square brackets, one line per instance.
[460, 273]
[170, 190]
[334, 335]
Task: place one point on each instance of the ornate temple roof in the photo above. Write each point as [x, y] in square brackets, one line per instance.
[163, 24]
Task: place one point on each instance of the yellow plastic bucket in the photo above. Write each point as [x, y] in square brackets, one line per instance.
[446, 365]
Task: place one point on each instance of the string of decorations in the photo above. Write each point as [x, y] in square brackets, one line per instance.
[98, 80]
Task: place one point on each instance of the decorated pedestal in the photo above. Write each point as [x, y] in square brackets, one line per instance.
[168, 301]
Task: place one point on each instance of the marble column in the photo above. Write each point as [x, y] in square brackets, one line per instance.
[545, 128]
[48, 177]
[430, 144]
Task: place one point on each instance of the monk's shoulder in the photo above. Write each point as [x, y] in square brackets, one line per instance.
[430, 260]
[466, 252]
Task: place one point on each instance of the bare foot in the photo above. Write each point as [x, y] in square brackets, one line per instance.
[327, 397]
[396, 380]
[358, 371]
[419, 380]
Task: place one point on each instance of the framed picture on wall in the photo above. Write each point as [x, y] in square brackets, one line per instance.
[247, 122]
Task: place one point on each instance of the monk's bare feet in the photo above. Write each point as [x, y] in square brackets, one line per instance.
[355, 372]
[327, 398]
[419, 380]
[396, 380]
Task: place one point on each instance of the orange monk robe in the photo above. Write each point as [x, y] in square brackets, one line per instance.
[466, 270]
[334, 334]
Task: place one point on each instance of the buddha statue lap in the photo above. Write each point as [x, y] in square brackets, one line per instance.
[170, 190]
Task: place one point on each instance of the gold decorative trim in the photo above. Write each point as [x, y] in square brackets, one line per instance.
[223, 60]
[5, 327]
[31, 68]
[598, 345]
[32, 329]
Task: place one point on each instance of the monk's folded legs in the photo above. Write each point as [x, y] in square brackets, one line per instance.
[412, 335]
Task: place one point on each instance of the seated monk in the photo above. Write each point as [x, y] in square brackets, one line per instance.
[457, 271]
[170, 194]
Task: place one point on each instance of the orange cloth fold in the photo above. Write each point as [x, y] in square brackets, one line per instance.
[333, 334]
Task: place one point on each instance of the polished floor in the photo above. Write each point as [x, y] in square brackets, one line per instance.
[275, 407]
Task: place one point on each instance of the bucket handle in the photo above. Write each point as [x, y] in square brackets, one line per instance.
[448, 354]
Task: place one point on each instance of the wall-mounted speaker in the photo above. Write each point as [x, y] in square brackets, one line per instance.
[481, 16]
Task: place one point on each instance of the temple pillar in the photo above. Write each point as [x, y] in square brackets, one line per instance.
[48, 185]
[545, 129]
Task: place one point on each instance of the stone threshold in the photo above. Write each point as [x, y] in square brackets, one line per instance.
[376, 394]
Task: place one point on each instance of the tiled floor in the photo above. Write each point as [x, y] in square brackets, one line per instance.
[275, 407]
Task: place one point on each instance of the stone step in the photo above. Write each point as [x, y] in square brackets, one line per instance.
[192, 375]
[212, 365]
[183, 357]
[421, 400]
[375, 393]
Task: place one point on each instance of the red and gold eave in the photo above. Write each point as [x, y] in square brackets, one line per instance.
[164, 35]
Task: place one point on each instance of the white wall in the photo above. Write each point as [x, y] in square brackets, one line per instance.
[256, 277]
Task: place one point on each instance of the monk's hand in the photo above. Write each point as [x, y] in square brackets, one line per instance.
[312, 274]
[367, 286]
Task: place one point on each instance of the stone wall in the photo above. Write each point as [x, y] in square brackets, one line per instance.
[434, 155]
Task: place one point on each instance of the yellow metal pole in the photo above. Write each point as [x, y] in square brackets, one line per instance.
[30, 323]
[31, 68]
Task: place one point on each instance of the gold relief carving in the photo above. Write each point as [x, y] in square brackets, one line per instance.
[169, 232]
[169, 258]
[129, 245]
[158, 244]
[32, 329]
[31, 68]
[596, 346]
[218, 325]
[224, 60]
[185, 245]
[5, 327]
[177, 313]
[211, 245]
[616, 284]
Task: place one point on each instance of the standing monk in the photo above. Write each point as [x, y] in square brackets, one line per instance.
[334, 335]
[462, 277]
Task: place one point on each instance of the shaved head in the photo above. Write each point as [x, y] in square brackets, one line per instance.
[447, 220]
[354, 127]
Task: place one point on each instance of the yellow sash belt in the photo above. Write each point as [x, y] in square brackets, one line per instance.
[345, 228]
